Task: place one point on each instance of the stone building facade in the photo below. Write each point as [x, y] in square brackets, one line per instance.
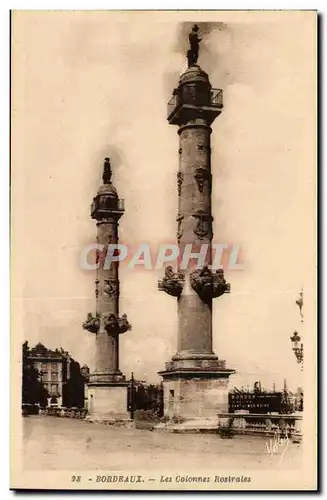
[60, 375]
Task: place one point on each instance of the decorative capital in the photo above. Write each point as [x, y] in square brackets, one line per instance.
[208, 284]
[172, 283]
[92, 323]
[114, 325]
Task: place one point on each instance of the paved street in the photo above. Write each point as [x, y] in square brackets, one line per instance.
[52, 443]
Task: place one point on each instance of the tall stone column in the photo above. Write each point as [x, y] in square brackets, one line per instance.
[107, 387]
[195, 380]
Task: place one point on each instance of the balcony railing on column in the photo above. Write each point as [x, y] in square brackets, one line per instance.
[121, 204]
[215, 101]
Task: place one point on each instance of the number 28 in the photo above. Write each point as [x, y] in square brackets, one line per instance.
[76, 479]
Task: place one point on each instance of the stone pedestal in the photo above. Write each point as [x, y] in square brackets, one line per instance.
[195, 396]
[192, 402]
[108, 404]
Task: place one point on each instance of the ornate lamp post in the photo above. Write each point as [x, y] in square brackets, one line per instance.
[297, 347]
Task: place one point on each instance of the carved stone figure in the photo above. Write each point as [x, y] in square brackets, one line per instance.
[219, 283]
[110, 288]
[96, 288]
[172, 283]
[92, 323]
[179, 233]
[110, 323]
[124, 325]
[203, 228]
[203, 147]
[193, 52]
[180, 178]
[107, 173]
[201, 176]
[209, 285]
[115, 325]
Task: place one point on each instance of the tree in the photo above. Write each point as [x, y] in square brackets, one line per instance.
[73, 389]
[33, 391]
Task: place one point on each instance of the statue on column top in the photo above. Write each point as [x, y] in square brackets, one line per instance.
[193, 52]
[107, 173]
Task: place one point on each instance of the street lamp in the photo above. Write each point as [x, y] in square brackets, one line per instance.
[299, 302]
[297, 347]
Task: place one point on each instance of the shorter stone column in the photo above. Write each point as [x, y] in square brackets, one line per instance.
[107, 386]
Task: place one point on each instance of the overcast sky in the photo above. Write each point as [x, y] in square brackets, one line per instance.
[92, 84]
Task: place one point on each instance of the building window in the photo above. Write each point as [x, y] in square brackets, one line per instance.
[54, 389]
[44, 367]
[54, 376]
[54, 367]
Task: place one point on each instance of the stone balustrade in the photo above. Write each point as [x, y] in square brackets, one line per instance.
[64, 412]
[261, 424]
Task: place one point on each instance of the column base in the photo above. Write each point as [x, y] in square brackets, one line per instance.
[193, 362]
[192, 426]
[107, 403]
[107, 378]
